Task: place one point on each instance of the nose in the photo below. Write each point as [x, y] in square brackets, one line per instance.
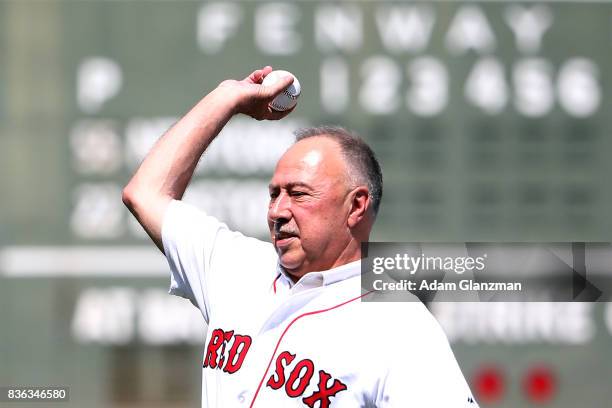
[279, 210]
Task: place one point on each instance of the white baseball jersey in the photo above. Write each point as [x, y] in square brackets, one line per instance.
[275, 343]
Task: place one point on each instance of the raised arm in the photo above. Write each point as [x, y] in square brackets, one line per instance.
[168, 167]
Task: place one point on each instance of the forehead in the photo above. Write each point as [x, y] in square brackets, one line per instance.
[313, 160]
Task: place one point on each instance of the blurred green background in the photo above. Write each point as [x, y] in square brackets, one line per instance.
[491, 121]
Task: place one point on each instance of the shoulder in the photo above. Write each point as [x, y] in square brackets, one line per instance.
[185, 223]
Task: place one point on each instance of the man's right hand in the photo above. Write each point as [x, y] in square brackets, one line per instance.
[252, 98]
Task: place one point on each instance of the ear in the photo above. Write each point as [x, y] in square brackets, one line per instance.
[360, 202]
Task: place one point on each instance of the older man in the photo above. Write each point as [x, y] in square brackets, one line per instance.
[285, 323]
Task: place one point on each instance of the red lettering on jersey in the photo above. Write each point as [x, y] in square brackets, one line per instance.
[323, 393]
[240, 342]
[276, 383]
[216, 341]
[300, 377]
[303, 379]
[227, 336]
[215, 351]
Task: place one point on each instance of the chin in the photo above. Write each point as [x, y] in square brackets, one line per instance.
[290, 262]
[290, 266]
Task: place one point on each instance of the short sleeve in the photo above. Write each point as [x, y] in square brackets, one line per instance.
[199, 250]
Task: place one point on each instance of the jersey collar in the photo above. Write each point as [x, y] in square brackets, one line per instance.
[318, 279]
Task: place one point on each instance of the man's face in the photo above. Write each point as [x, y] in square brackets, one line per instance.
[309, 206]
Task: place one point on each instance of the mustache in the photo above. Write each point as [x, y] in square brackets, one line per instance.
[285, 229]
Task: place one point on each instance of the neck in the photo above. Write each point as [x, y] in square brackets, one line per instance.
[350, 253]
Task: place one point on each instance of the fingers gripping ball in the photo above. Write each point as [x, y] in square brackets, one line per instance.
[288, 98]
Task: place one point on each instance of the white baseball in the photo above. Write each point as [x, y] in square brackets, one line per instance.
[288, 98]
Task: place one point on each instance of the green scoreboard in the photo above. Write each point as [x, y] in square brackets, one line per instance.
[491, 120]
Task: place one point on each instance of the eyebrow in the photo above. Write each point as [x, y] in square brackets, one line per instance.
[291, 185]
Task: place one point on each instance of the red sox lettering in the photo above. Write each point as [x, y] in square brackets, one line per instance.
[293, 378]
[300, 377]
[215, 352]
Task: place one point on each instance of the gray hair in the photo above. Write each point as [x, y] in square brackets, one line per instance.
[360, 158]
